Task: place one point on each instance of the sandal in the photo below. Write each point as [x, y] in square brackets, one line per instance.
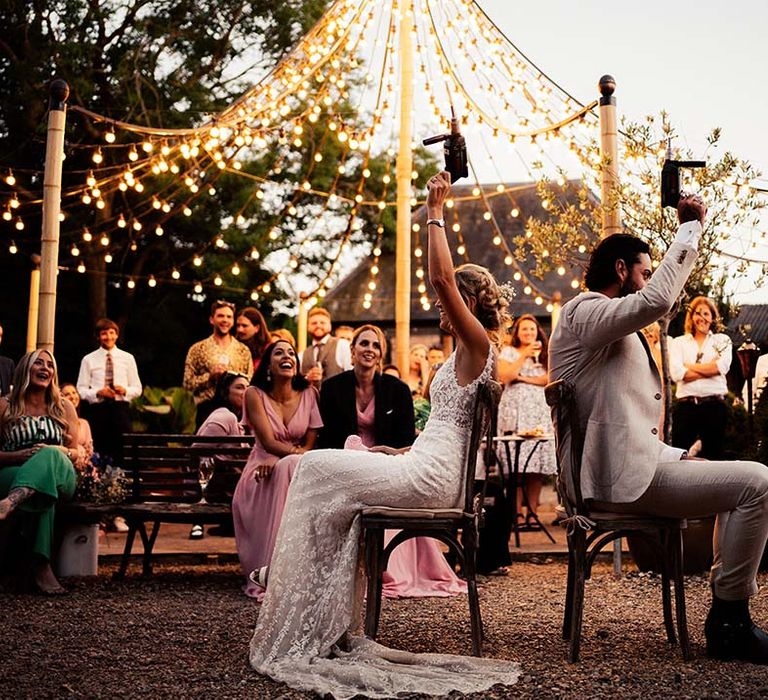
[259, 576]
[500, 571]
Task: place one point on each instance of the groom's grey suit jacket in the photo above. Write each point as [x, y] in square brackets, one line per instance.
[597, 346]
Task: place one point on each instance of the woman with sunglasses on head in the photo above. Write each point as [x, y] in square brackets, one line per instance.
[307, 634]
[698, 362]
[281, 410]
[38, 432]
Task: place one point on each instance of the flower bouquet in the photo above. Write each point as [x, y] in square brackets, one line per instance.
[102, 483]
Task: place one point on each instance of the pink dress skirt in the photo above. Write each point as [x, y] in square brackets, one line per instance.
[417, 568]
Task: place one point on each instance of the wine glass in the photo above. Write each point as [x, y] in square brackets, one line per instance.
[536, 352]
[204, 474]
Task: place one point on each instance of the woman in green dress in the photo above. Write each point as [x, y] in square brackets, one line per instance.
[38, 438]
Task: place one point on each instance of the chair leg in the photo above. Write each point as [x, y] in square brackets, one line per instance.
[130, 537]
[578, 539]
[667, 568]
[374, 546]
[475, 618]
[677, 574]
[569, 593]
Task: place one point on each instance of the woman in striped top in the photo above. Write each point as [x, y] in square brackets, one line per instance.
[38, 438]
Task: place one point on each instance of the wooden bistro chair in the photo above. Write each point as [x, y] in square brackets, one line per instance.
[589, 531]
[440, 523]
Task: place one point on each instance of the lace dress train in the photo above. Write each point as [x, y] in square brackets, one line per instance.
[316, 584]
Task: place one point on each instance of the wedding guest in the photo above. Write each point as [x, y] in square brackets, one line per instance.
[224, 419]
[698, 362]
[325, 356]
[392, 370]
[652, 333]
[523, 409]
[283, 334]
[208, 359]
[251, 330]
[418, 370]
[84, 435]
[281, 410]
[344, 332]
[108, 381]
[37, 457]
[435, 355]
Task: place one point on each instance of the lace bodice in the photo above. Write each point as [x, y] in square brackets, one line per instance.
[451, 402]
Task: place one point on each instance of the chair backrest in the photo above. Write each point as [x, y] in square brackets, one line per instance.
[164, 467]
[569, 441]
[483, 426]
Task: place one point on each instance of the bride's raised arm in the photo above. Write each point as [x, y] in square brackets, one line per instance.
[472, 339]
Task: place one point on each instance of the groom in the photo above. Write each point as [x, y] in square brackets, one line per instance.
[625, 466]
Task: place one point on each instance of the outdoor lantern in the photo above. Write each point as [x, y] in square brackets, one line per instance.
[748, 353]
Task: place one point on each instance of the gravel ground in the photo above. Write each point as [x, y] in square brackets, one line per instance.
[184, 634]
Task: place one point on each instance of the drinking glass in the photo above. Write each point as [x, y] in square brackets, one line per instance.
[204, 474]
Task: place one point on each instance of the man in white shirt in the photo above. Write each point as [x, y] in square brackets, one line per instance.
[598, 347]
[325, 356]
[107, 382]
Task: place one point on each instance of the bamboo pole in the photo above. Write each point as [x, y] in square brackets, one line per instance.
[404, 167]
[301, 324]
[609, 158]
[34, 303]
[49, 247]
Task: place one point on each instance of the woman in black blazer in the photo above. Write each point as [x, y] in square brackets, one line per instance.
[345, 400]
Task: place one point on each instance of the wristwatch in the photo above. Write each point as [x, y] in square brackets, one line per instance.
[436, 222]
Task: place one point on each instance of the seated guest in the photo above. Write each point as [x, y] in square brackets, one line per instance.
[224, 419]
[251, 330]
[37, 456]
[84, 437]
[281, 409]
[377, 411]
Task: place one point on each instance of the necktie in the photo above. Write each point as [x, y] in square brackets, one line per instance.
[316, 349]
[109, 371]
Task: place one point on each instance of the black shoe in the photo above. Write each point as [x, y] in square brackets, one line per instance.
[735, 640]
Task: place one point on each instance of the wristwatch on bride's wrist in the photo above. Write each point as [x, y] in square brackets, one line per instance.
[436, 222]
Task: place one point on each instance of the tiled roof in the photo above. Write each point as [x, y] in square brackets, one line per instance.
[756, 316]
[344, 302]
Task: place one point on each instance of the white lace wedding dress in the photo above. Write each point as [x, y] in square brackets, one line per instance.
[306, 632]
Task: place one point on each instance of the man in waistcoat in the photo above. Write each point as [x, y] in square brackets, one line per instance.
[325, 356]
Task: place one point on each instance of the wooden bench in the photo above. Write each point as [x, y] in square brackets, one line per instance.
[164, 487]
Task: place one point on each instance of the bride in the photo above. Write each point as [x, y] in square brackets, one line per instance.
[308, 627]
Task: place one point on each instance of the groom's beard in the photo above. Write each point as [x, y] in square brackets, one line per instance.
[627, 287]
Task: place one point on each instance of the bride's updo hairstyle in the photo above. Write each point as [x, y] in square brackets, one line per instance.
[477, 283]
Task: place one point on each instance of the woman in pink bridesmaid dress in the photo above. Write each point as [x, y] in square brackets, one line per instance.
[281, 409]
[363, 409]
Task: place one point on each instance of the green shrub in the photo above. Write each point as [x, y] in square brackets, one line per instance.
[159, 410]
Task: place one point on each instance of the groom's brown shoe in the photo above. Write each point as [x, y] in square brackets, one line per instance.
[735, 639]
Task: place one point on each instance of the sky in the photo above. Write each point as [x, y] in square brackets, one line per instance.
[705, 63]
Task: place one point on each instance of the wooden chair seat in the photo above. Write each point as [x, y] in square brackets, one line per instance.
[439, 523]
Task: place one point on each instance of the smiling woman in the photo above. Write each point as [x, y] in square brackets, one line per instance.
[38, 436]
[281, 409]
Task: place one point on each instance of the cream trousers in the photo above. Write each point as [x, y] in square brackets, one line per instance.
[737, 492]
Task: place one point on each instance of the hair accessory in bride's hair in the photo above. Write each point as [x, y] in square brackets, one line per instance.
[507, 291]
